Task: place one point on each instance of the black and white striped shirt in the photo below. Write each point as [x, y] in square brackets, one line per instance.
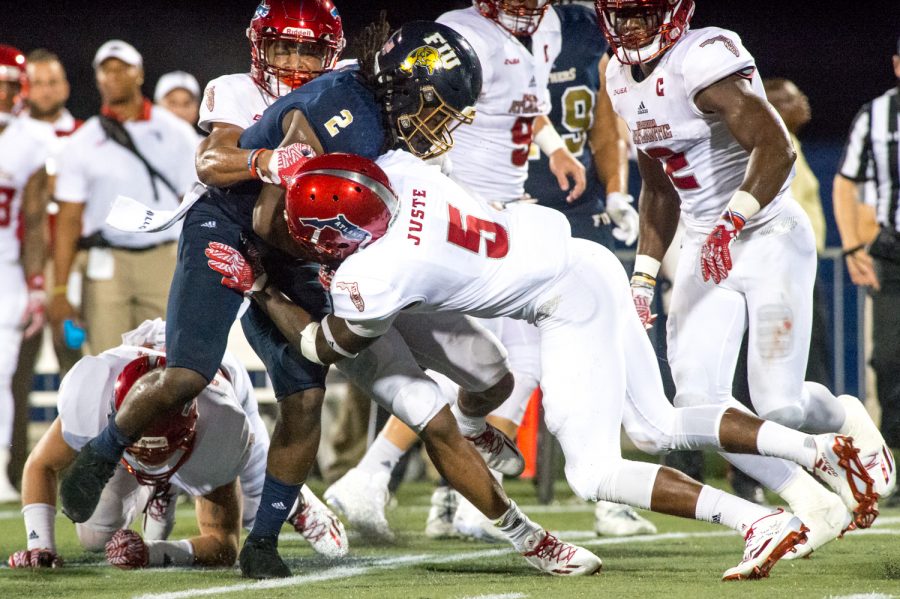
[871, 154]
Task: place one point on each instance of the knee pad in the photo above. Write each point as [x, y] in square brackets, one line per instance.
[93, 538]
[417, 403]
[789, 416]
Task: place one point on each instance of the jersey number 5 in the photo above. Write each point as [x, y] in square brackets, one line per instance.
[469, 235]
[338, 122]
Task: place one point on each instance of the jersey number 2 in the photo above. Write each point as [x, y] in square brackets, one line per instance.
[338, 122]
[468, 231]
[521, 138]
[674, 162]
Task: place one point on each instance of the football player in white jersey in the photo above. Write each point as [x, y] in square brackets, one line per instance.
[201, 451]
[432, 247]
[709, 143]
[516, 42]
[24, 148]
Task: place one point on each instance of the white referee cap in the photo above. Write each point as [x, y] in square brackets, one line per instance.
[176, 80]
[118, 49]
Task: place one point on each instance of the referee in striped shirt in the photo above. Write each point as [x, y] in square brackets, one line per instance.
[871, 155]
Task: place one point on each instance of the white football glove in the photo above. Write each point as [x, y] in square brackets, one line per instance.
[624, 216]
[285, 162]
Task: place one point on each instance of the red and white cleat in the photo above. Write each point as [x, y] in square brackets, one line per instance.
[767, 541]
[320, 526]
[499, 451]
[838, 464]
[548, 554]
[874, 453]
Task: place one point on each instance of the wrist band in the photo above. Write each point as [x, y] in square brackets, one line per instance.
[853, 250]
[643, 279]
[548, 140]
[742, 207]
[646, 265]
[36, 282]
[59, 290]
[251, 162]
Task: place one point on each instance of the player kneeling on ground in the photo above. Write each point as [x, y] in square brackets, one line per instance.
[201, 451]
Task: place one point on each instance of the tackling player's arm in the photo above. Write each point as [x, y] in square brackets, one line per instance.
[757, 127]
[324, 343]
[219, 160]
[268, 214]
[50, 456]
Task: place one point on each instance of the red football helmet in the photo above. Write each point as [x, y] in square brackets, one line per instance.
[12, 70]
[338, 204]
[155, 457]
[664, 21]
[313, 26]
[514, 15]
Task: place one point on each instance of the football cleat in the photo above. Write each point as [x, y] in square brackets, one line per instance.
[548, 554]
[259, 559]
[619, 520]
[499, 451]
[826, 517]
[319, 526]
[444, 502]
[159, 513]
[838, 465]
[471, 524]
[362, 498]
[80, 490]
[767, 540]
[876, 456]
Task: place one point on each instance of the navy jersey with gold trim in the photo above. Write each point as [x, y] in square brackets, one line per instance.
[340, 108]
[574, 82]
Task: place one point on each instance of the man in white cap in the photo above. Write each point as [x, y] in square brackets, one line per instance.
[130, 148]
[179, 93]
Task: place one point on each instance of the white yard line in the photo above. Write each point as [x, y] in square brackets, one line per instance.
[503, 596]
[342, 572]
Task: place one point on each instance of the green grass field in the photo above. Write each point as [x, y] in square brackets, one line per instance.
[685, 560]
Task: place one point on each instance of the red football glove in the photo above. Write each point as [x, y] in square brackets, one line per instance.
[325, 276]
[286, 161]
[35, 558]
[715, 256]
[127, 550]
[35, 316]
[642, 294]
[239, 273]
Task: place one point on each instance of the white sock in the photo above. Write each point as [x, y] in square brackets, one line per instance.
[782, 442]
[803, 490]
[516, 526]
[719, 507]
[469, 426]
[381, 456]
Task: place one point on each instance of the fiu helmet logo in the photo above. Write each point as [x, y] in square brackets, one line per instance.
[339, 223]
[721, 38]
[423, 56]
[438, 52]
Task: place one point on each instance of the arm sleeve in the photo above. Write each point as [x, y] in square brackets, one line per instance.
[714, 56]
[72, 183]
[856, 160]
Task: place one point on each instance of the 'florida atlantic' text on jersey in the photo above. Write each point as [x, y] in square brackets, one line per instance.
[341, 110]
[448, 251]
[491, 155]
[704, 161]
[574, 82]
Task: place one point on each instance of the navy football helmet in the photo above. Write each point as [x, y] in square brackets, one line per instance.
[428, 78]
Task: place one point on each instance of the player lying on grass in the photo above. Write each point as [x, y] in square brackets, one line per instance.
[202, 451]
[432, 247]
